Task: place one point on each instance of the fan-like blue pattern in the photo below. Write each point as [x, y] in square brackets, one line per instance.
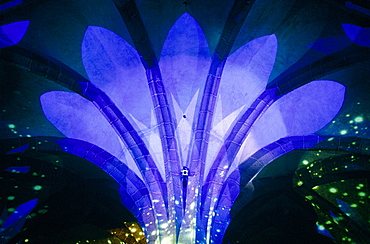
[184, 112]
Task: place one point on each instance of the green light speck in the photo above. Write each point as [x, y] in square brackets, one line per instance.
[362, 194]
[37, 187]
[359, 119]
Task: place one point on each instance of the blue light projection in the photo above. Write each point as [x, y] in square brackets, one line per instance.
[13, 224]
[24, 169]
[321, 229]
[357, 34]
[358, 8]
[189, 111]
[19, 149]
[330, 45]
[11, 34]
[10, 4]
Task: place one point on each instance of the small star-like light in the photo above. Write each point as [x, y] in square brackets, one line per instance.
[359, 119]
[362, 194]
[37, 187]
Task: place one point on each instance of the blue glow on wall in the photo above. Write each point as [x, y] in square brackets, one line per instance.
[10, 4]
[357, 34]
[13, 224]
[357, 7]
[330, 44]
[143, 125]
[11, 34]
[321, 229]
[23, 169]
[19, 149]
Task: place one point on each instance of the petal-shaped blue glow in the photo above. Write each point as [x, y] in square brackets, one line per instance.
[244, 78]
[23, 169]
[331, 44]
[357, 34]
[184, 64]
[115, 67]
[78, 118]
[246, 73]
[21, 212]
[321, 229]
[300, 112]
[10, 4]
[19, 149]
[358, 8]
[185, 60]
[11, 34]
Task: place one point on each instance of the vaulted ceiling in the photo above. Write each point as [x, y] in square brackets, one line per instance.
[317, 40]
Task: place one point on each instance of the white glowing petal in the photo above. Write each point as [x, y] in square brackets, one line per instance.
[126, 157]
[155, 149]
[64, 110]
[185, 60]
[115, 67]
[217, 114]
[190, 110]
[221, 128]
[184, 129]
[140, 126]
[176, 108]
[155, 146]
[218, 136]
[303, 111]
[246, 73]
[152, 140]
[261, 136]
[244, 78]
[184, 126]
